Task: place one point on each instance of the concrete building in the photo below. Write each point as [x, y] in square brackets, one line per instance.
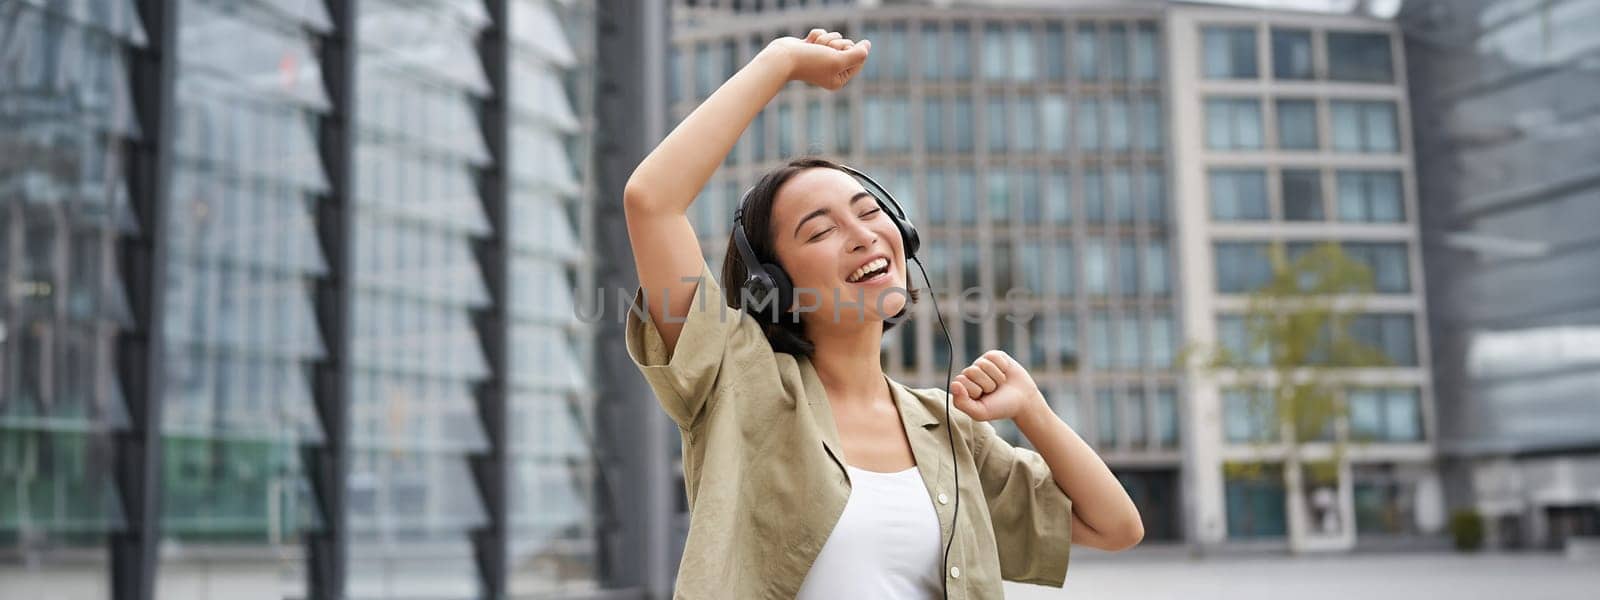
[1126, 163]
[1507, 97]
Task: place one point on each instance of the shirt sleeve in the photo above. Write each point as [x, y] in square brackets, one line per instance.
[713, 334]
[1032, 517]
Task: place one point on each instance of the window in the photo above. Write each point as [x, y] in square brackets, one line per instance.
[967, 196]
[1166, 413]
[1024, 66]
[1065, 403]
[1370, 196]
[786, 127]
[1297, 124]
[757, 136]
[1135, 417]
[1085, 49]
[1024, 124]
[875, 118]
[676, 78]
[1066, 340]
[908, 347]
[1163, 341]
[1026, 186]
[1255, 505]
[1117, 52]
[1384, 415]
[1249, 416]
[1150, 131]
[815, 125]
[1032, 259]
[705, 70]
[1106, 418]
[1122, 201]
[1096, 267]
[998, 195]
[1119, 123]
[1387, 262]
[1094, 196]
[938, 202]
[1230, 53]
[938, 259]
[1128, 267]
[969, 263]
[1233, 335]
[870, 71]
[1003, 271]
[1238, 195]
[842, 125]
[1359, 57]
[1129, 342]
[1155, 195]
[1064, 268]
[1242, 267]
[1057, 198]
[1156, 278]
[1089, 120]
[994, 52]
[1100, 340]
[996, 131]
[960, 51]
[1362, 126]
[1291, 54]
[1145, 57]
[1055, 51]
[896, 62]
[1392, 334]
[932, 52]
[963, 115]
[1053, 122]
[1233, 124]
[1302, 195]
[933, 123]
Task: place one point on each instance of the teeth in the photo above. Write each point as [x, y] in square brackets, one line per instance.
[868, 268]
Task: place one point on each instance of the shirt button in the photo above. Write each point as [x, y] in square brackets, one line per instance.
[943, 499]
[955, 572]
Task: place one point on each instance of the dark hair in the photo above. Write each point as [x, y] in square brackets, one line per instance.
[788, 334]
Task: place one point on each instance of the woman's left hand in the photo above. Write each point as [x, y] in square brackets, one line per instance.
[995, 387]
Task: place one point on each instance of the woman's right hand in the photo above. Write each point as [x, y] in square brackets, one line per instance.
[825, 59]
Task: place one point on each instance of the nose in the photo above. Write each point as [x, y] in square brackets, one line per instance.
[862, 236]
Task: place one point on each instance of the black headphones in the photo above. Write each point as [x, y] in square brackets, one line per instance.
[764, 278]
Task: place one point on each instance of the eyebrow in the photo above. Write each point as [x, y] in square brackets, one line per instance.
[823, 211]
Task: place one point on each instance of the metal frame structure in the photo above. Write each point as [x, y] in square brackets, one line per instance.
[135, 552]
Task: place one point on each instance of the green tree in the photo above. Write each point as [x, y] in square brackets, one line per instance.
[1296, 339]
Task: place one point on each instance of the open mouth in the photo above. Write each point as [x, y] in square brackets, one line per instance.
[870, 271]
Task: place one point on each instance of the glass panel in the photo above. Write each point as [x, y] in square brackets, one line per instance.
[1233, 124]
[1119, 123]
[1088, 124]
[1146, 57]
[932, 53]
[1057, 198]
[1055, 51]
[1370, 196]
[964, 124]
[1255, 505]
[1302, 196]
[1106, 413]
[1361, 126]
[1096, 267]
[1234, 335]
[994, 52]
[1085, 51]
[1291, 54]
[1242, 267]
[1297, 124]
[1094, 196]
[1100, 341]
[1229, 52]
[1023, 64]
[1166, 413]
[1238, 195]
[1151, 131]
[1359, 57]
[1127, 267]
[960, 51]
[1135, 418]
[1117, 52]
[995, 113]
[1156, 278]
[1024, 124]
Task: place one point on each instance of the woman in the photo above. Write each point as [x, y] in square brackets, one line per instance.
[809, 472]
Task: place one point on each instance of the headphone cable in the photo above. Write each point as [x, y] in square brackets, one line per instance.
[949, 426]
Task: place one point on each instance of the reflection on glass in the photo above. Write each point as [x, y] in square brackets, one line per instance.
[1238, 195]
[1354, 56]
[1302, 195]
[1364, 126]
[1233, 124]
[1229, 52]
[1369, 196]
[1297, 124]
[1291, 54]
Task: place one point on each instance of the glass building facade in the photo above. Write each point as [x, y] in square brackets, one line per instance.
[323, 257]
[1507, 98]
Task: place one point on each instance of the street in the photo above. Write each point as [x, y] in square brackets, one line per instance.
[1169, 573]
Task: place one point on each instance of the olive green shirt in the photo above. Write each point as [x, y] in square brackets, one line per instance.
[765, 475]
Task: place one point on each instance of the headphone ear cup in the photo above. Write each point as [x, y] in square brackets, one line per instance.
[909, 238]
[781, 283]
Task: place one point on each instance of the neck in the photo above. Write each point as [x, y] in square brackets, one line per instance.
[847, 361]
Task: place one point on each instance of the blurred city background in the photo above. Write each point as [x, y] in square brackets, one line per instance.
[293, 288]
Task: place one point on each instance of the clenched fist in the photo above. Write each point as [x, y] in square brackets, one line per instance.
[995, 387]
[825, 59]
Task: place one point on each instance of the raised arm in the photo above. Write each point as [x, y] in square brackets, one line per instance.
[658, 194]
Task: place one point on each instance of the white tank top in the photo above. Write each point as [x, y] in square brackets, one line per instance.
[886, 544]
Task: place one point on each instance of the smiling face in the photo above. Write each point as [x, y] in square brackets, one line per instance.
[830, 234]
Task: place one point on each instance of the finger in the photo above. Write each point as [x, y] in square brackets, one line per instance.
[992, 370]
[814, 34]
[858, 52]
[829, 37]
[841, 44]
[973, 408]
[976, 375]
[973, 391]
